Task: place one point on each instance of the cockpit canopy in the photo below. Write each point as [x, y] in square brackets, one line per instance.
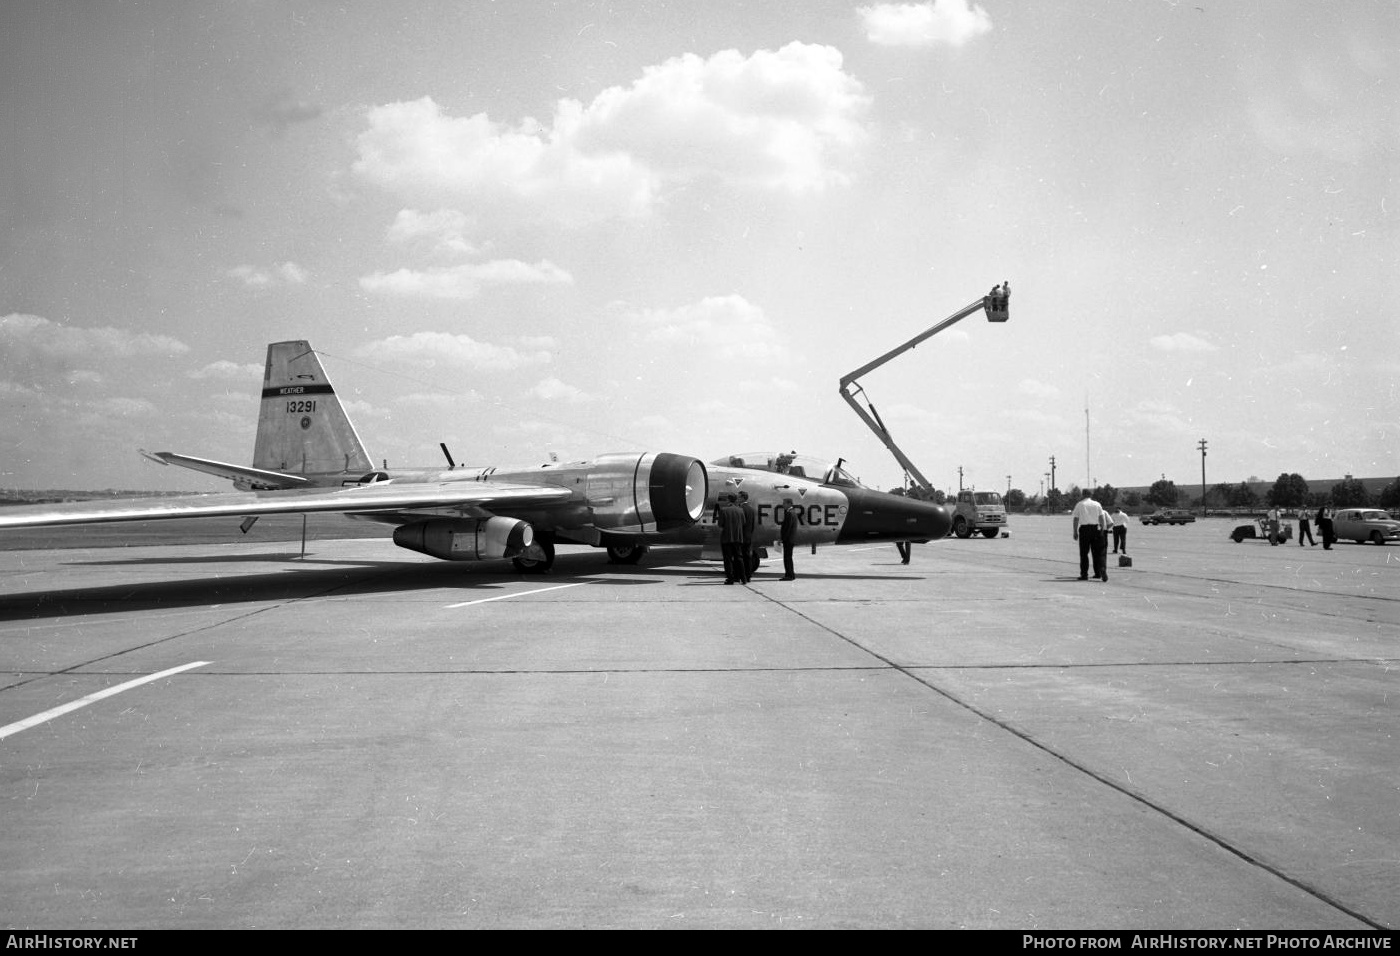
[791, 463]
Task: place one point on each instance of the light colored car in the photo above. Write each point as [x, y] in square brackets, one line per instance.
[1364, 524]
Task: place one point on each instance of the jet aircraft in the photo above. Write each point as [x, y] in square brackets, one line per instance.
[308, 459]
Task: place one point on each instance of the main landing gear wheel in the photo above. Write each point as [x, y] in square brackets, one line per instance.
[537, 559]
[626, 553]
[989, 532]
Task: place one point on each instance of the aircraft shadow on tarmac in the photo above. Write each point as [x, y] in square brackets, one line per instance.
[297, 580]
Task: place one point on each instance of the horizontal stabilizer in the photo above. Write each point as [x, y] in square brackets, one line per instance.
[254, 478]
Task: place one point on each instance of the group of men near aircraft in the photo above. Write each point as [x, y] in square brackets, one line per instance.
[737, 519]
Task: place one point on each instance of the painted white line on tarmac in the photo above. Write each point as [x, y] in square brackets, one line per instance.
[502, 597]
[90, 699]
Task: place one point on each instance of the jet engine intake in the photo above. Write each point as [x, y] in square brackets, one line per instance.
[466, 539]
[647, 493]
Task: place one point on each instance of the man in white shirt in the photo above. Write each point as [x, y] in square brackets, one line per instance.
[1088, 520]
[1120, 530]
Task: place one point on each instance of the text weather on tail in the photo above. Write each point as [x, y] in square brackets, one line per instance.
[308, 459]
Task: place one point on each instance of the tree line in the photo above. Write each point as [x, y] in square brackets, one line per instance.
[1291, 490]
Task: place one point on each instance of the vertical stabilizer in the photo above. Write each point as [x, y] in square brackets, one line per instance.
[302, 428]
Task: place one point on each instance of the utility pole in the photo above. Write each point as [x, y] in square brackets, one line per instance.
[1202, 446]
[960, 478]
[1052, 472]
[1008, 484]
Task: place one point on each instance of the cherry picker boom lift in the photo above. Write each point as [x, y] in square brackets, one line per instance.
[995, 304]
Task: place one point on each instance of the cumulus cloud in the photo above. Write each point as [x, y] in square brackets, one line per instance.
[789, 119]
[1181, 342]
[280, 111]
[103, 411]
[945, 22]
[225, 371]
[553, 390]
[444, 230]
[726, 326]
[463, 281]
[33, 349]
[429, 349]
[1037, 389]
[258, 277]
[1157, 418]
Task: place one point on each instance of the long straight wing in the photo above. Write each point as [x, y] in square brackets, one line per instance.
[384, 498]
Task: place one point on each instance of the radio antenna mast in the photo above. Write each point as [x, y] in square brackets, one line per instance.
[1088, 460]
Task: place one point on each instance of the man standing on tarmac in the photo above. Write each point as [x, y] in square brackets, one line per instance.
[1120, 530]
[1087, 520]
[731, 540]
[1304, 531]
[788, 534]
[750, 524]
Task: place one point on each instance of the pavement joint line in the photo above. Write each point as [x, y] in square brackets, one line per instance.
[72, 668]
[1088, 771]
[92, 698]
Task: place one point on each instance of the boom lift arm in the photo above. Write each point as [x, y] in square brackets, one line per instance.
[995, 303]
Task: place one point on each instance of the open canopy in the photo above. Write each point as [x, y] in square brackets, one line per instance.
[791, 463]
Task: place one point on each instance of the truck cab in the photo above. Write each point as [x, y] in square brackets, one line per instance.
[981, 511]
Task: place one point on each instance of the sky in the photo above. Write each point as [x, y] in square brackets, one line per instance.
[535, 228]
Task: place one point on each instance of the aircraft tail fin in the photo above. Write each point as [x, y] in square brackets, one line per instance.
[302, 427]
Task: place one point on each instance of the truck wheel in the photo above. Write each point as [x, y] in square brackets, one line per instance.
[960, 528]
[989, 532]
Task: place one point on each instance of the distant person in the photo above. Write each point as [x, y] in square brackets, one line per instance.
[1305, 529]
[1120, 530]
[1272, 519]
[1324, 527]
[731, 538]
[1087, 522]
[787, 533]
[750, 524]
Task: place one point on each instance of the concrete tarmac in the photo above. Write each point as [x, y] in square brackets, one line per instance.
[368, 738]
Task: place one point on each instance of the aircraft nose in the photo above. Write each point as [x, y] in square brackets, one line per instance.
[878, 516]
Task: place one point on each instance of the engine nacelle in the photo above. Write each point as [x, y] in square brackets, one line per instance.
[640, 494]
[466, 539]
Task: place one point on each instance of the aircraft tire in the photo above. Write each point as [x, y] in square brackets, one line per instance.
[989, 532]
[1237, 537]
[626, 553]
[536, 566]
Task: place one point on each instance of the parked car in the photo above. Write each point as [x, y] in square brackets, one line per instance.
[1169, 516]
[1364, 524]
[1258, 528]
